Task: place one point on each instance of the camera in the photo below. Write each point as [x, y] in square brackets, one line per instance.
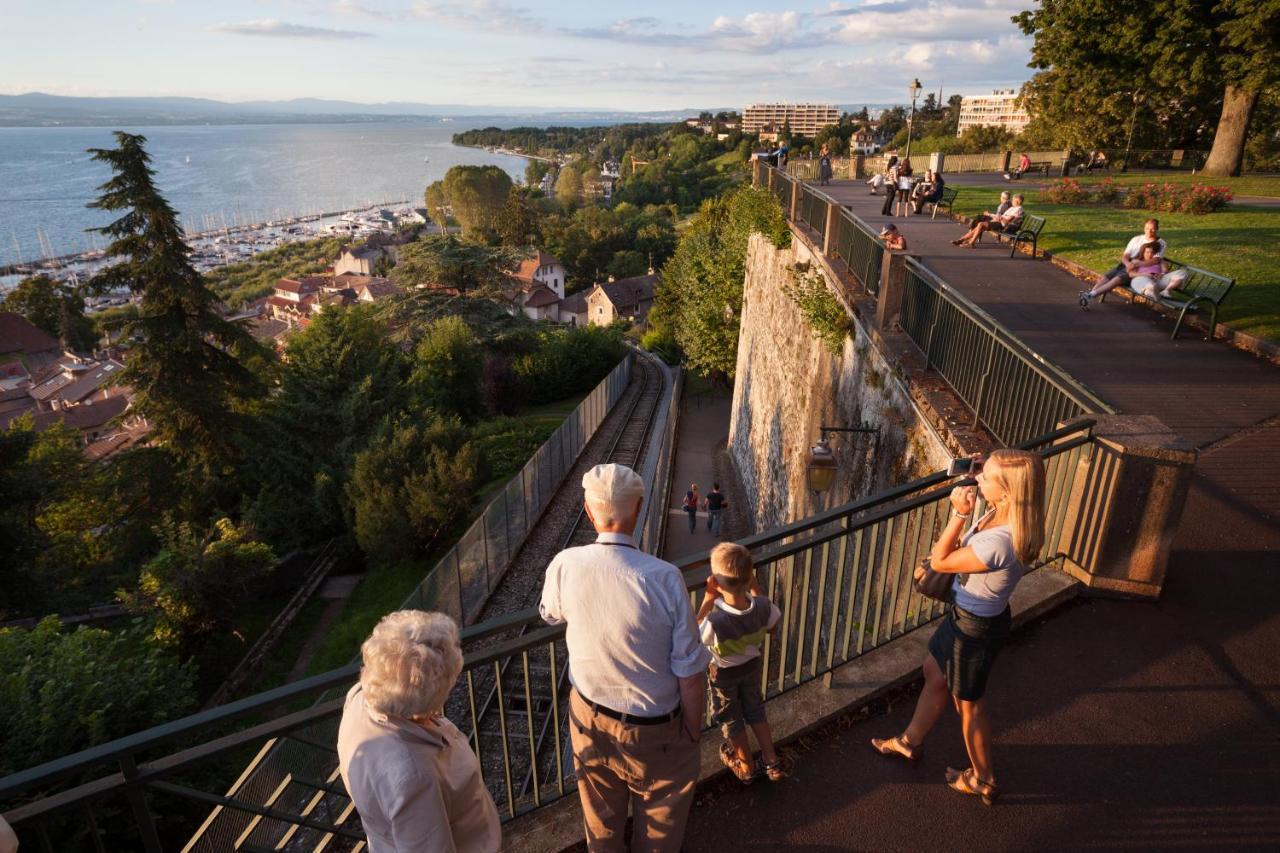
[958, 467]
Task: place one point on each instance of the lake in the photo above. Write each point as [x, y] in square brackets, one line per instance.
[216, 174]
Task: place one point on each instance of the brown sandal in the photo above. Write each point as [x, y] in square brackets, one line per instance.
[742, 770]
[895, 746]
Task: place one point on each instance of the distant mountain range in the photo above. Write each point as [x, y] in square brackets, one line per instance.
[36, 109]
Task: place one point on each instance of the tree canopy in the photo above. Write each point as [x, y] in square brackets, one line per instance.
[445, 261]
[475, 194]
[54, 306]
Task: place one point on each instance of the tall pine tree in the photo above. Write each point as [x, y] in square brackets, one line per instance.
[183, 365]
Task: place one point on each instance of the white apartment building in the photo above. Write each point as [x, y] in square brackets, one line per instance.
[999, 109]
[805, 119]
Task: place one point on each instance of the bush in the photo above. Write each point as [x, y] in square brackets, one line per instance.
[662, 343]
[567, 362]
[64, 692]
[1065, 191]
[1197, 199]
[1108, 192]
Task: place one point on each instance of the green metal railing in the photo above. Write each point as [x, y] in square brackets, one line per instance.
[1012, 390]
[842, 579]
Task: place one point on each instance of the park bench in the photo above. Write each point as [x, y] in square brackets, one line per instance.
[1041, 166]
[948, 198]
[1201, 288]
[1028, 230]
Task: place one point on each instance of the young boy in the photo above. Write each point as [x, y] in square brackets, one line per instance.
[734, 618]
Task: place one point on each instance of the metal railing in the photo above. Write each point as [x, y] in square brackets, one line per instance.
[1012, 390]
[462, 581]
[842, 579]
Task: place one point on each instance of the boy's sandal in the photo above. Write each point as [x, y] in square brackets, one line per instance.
[895, 746]
[744, 772]
[776, 770]
[967, 782]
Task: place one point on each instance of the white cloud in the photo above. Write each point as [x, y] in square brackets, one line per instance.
[282, 29]
[489, 15]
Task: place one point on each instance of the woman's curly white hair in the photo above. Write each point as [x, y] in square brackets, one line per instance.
[411, 661]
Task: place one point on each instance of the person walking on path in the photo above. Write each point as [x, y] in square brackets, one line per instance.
[413, 776]
[824, 167]
[714, 503]
[690, 506]
[734, 618]
[988, 561]
[638, 669]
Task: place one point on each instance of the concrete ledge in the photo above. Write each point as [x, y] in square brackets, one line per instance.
[805, 708]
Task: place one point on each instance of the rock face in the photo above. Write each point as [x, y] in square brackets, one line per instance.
[789, 384]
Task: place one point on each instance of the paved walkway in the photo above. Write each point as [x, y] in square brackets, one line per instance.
[704, 429]
[1118, 724]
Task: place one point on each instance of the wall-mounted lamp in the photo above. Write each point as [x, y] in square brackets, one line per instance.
[820, 462]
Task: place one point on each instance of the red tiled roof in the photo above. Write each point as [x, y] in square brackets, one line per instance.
[540, 297]
[308, 284]
[529, 266]
[19, 335]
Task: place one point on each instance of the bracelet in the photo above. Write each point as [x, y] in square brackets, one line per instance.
[961, 514]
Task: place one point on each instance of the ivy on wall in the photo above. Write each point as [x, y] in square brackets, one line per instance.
[826, 316]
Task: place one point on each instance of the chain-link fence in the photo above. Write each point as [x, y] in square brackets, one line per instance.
[460, 584]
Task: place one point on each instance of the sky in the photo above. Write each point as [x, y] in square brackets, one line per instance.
[658, 55]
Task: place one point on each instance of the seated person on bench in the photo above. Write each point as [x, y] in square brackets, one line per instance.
[1000, 222]
[929, 191]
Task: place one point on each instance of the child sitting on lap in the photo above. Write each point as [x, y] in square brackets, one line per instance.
[734, 618]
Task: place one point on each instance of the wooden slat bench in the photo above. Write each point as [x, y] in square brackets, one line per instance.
[1200, 288]
[1029, 230]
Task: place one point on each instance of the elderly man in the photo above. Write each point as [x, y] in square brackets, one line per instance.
[638, 671]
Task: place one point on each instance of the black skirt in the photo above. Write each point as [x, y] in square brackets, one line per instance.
[965, 646]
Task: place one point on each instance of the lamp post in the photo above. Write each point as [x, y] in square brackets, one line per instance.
[1132, 118]
[820, 462]
[914, 91]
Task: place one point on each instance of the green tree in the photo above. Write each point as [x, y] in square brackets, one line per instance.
[437, 204]
[1173, 69]
[343, 377]
[700, 295]
[517, 225]
[413, 483]
[55, 307]
[187, 379]
[447, 368]
[569, 187]
[196, 580]
[476, 195]
[535, 171]
[445, 261]
[64, 692]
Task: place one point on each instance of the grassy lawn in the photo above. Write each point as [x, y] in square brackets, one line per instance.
[1259, 185]
[1240, 242]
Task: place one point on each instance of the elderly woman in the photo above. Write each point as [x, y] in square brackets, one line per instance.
[988, 562]
[410, 772]
[1009, 219]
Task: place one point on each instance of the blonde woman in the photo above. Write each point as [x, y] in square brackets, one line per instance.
[410, 772]
[988, 561]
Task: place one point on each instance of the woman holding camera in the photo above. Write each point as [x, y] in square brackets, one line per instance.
[988, 562]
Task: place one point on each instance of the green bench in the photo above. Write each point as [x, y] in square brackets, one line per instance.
[1200, 288]
[1027, 231]
[948, 198]
[1041, 166]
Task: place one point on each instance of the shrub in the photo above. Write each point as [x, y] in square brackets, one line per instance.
[662, 343]
[1197, 199]
[1201, 199]
[1065, 191]
[1108, 192]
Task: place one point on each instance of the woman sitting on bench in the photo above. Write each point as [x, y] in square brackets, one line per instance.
[1008, 220]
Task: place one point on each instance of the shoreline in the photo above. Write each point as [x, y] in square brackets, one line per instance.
[508, 152]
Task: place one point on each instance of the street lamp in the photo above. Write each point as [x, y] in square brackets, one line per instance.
[820, 462]
[1137, 93]
[914, 91]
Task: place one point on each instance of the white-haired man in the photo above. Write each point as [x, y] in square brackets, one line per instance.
[638, 670]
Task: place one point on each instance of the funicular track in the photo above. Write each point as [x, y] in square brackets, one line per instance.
[516, 703]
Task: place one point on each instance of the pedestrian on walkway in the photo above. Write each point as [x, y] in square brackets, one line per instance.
[988, 561]
[906, 179]
[734, 618]
[690, 506]
[638, 669]
[714, 503]
[824, 167]
[413, 776]
[890, 186]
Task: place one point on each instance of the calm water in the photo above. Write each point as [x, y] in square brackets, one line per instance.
[235, 173]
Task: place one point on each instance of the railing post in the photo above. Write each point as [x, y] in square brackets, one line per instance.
[858, 167]
[772, 174]
[1126, 501]
[893, 283]
[982, 383]
[933, 327]
[830, 228]
[137, 795]
[795, 198]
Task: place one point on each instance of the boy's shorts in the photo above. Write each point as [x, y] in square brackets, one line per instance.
[736, 698]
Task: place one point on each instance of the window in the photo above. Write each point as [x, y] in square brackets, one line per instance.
[600, 310]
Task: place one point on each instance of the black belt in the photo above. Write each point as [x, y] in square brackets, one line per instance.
[631, 719]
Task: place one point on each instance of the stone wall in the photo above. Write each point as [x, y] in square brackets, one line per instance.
[788, 385]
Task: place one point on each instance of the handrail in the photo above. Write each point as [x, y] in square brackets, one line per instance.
[868, 510]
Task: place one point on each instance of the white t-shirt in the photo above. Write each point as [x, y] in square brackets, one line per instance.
[1134, 249]
[1013, 214]
[987, 593]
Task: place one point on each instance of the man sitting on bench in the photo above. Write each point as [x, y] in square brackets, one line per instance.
[1126, 272]
[1009, 222]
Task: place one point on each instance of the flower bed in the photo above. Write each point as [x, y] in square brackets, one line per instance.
[1169, 198]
